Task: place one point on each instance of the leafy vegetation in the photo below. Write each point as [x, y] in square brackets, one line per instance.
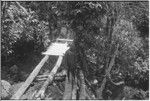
[97, 28]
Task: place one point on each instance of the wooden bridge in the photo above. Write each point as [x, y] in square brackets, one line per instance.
[57, 48]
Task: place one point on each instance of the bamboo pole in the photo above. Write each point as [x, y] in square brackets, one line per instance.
[41, 92]
[29, 80]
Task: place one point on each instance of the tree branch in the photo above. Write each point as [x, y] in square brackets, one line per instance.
[25, 11]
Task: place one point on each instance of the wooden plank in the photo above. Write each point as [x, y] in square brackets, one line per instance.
[41, 92]
[29, 80]
[64, 40]
[57, 49]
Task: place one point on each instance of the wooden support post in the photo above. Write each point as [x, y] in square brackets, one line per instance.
[29, 80]
[41, 92]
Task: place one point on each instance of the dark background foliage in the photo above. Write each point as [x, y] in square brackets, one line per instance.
[29, 27]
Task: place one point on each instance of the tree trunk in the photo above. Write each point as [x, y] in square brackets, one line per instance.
[100, 90]
[68, 88]
[50, 29]
[82, 86]
[74, 91]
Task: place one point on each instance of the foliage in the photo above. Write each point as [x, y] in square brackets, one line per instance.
[23, 33]
[29, 27]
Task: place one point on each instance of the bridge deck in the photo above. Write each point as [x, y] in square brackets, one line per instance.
[58, 48]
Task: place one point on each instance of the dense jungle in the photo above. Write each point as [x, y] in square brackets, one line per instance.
[107, 60]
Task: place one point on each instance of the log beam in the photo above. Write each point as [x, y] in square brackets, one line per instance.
[41, 92]
[29, 80]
